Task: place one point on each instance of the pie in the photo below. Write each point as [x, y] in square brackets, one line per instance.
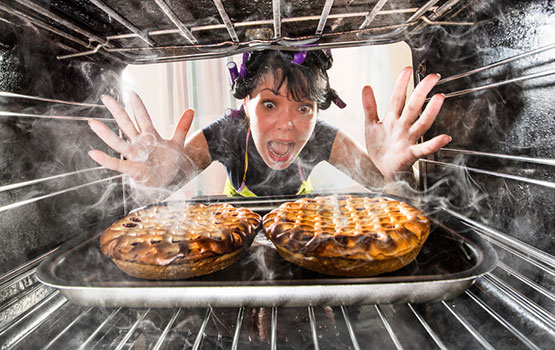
[168, 243]
[347, 235]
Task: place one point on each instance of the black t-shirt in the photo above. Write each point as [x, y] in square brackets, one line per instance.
[226, 142]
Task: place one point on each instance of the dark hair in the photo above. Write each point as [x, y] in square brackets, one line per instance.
[308, 80]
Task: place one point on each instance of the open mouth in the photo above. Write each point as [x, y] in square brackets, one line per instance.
[280, 151]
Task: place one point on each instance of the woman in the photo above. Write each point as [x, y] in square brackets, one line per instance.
[271, 145]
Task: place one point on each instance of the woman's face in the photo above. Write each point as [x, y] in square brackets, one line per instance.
[280, 126]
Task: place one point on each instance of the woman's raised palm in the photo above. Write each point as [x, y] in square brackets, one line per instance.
[392, 142]
[149, 159]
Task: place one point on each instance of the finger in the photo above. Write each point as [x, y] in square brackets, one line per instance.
[120, 165]
[369, 105]
[121, 116]
[108, 136]
[428, 116]
[141, 114]
[182, 127]
[399, 95]
[425, 148]
[109, 162]
[417, 98]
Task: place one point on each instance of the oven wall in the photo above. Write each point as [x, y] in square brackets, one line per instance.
[50, 190]
[508, 192]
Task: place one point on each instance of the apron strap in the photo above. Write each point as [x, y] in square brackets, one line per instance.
[305, 188]
[246, 158]
[301, 175]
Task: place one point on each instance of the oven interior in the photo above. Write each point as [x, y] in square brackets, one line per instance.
[495, 179]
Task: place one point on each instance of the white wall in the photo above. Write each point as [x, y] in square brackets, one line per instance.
[168, 89]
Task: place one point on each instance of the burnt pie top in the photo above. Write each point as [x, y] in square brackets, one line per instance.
[168, 236]
[348, 227]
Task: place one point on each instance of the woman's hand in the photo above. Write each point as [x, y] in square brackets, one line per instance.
[391, 142]
[149, 159]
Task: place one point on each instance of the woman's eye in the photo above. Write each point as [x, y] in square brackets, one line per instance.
[268, 104]
[305, 109]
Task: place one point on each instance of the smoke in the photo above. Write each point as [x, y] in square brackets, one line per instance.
[263, 261]
[453, 187]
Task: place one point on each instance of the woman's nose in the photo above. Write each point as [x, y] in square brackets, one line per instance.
[286, 120]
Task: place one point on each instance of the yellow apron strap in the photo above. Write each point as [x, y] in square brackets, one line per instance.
[306, 187]
[230, 191]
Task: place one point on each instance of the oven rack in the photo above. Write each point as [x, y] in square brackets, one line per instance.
[489, 67]
[146, 49]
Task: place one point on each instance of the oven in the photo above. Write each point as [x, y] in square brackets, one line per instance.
[493, 185]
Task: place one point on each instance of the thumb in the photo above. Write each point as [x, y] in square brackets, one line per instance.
[182, 127]
[369, 105]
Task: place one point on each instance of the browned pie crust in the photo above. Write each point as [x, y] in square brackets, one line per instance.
[168, 243]
[347, 235]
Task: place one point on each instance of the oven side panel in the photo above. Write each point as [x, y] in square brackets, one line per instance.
[498, 171]
[50, 190]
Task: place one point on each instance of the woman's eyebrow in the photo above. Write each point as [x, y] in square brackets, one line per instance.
[272, 91]
[276, 93]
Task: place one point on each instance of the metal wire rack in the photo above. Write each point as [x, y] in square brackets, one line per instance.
[482, 317]
[323, 24]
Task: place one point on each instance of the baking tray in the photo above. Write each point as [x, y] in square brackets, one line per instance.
[449, 262]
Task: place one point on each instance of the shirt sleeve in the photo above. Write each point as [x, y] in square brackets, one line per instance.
[318, 148]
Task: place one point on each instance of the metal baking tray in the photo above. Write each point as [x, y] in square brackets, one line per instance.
[449, 262]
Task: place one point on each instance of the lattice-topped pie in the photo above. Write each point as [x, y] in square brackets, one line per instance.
[174, 243]
[347, 235]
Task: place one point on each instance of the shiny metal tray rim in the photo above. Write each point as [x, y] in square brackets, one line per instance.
[267, 296]
[310, 292]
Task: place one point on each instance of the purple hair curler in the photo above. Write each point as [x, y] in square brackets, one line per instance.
[233, 113]
[233, 72]
[339, 102]
[243, 71]
[299, 57]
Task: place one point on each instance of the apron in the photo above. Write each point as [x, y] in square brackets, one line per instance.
[230, 191]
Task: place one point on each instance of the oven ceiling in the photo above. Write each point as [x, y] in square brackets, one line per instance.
[135, 31]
